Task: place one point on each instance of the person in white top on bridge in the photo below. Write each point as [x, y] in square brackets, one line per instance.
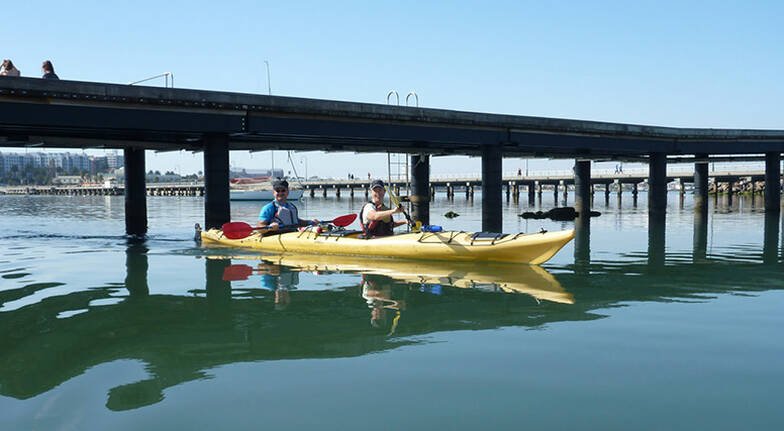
[8, 69]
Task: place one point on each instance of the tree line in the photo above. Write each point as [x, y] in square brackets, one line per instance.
[39, 176]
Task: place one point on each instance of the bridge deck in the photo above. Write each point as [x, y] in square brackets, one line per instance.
[35, 112]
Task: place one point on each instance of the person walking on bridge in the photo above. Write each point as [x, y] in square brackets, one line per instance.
[48, 70]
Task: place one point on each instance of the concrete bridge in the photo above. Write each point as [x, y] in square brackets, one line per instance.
[69, 114]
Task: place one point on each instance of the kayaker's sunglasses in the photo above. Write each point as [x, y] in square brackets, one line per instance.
[280, 190]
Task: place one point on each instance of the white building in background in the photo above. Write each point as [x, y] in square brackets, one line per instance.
[65, 161]
[242, 172]
[115, 160]
[67, 180]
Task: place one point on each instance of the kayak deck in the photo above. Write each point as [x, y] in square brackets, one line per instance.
[533, 248]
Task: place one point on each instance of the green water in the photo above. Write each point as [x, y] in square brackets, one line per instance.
[635, 325]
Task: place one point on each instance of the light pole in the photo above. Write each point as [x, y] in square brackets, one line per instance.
[269, 88]
[269, 92]
[304, 160]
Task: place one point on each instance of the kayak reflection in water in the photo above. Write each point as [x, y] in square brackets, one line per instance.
[279, 280]
[377, 292]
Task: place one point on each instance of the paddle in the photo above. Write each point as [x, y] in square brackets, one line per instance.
[237, 272]
[396, 202]
[240, 229]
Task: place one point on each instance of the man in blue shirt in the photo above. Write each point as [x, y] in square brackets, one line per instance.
[279, 213]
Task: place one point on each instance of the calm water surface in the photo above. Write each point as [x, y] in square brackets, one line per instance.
[635, 325]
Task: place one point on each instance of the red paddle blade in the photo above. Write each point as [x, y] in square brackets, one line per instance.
[237, 272]
[344, 220]
[236, 230]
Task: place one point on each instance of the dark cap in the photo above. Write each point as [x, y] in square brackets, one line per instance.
[280, 183]
[376, 183]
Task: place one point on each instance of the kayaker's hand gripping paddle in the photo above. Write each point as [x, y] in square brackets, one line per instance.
[415, 227]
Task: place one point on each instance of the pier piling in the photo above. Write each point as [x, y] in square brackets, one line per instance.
[420, 185]
[135, 192]
[582, 187]
[491, 188]
[657, 183]
[701, 184]
[217, 209]
[772, 182]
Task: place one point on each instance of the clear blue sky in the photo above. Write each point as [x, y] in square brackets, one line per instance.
[671, 63]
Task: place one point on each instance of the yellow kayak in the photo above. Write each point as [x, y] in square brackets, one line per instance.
[532, 248]
[498, 277]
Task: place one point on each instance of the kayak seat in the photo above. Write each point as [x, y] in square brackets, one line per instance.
[487, 236]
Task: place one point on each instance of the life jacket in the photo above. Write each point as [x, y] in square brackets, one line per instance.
[376, 227]
[280, 214]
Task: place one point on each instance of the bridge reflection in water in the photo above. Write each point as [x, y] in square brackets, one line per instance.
[382, 306]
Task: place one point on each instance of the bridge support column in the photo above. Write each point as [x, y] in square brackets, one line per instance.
[730, 187]
[657, 183]
[135, 192]
[218, 289]
[565, 192]
[136, 270]
[770, 245]
[217, 209]
[582, 187]
[582, 244]
[700, 237]
[701, 184]
[420, 185]
[492, 220]
[531, 193]
[772, 182]
[656, 239]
